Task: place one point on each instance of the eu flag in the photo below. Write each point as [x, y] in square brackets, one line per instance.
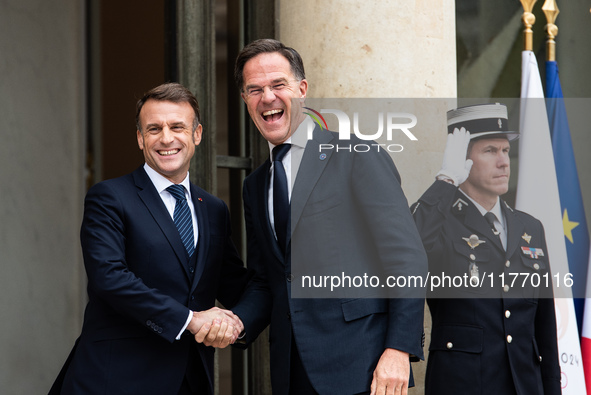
[571, 201]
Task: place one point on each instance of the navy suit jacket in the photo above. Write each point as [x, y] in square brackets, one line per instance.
[343, 205]
[141, 286]
[487, 339]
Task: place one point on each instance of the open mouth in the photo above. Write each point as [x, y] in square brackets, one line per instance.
[169, 152]
[272, 115]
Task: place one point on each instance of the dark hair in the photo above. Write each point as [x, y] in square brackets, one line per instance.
[173, 92]
[267, 45]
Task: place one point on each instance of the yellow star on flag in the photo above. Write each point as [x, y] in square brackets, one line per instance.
[568, 226]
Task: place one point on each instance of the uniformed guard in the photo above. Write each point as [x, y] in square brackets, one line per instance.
[494, 328]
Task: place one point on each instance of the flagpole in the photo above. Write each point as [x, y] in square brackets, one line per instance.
[528, 19]
[551, 11]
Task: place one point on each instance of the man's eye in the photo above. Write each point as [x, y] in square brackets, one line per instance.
[278, 86]
[255, 91]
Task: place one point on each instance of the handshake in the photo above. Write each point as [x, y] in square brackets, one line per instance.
[215, 327]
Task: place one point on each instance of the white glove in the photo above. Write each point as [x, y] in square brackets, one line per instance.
[455, 165]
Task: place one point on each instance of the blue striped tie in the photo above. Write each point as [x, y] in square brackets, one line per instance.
[182, 217]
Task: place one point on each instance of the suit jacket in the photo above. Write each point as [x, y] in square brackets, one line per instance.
[489, 339]
[343, 205]
[141, 286]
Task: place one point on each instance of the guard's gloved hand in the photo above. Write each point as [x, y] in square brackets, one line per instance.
[455, 166]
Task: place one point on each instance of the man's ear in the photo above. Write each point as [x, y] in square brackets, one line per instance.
[197, 134]
[303, 88]
[140, 140]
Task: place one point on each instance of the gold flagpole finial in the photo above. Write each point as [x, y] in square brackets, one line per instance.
[528, 20]
[551, 11]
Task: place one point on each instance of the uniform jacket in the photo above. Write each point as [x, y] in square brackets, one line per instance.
[495, 338]
[141, 286]
[343, 205]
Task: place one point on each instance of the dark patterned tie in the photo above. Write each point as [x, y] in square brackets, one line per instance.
[280, 195]
[182, 217]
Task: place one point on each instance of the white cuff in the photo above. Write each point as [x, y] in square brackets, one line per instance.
[185, 326]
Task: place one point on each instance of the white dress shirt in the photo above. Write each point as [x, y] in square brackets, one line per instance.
[291, 163]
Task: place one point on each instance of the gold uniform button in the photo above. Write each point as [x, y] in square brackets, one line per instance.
[506, 288]
[508, 264]
[536, 266]
[509, 338]
[472, 256]
[449, 345]
[507, 313]
[540, 358]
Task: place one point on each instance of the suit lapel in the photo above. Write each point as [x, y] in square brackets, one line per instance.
[200, 204]
[311, 168]
[149, 196]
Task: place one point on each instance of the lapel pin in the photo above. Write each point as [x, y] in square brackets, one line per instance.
[200, 199]
[473, 241]
[526, 237]
[322, 156]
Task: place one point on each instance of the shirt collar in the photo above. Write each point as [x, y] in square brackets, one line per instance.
[297, 139]
[496, 210]
[161, 182]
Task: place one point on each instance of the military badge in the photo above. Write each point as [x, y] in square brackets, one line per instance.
[473, 241]
[474, 275]
[459, 204]
[534, 253]
[526, 237]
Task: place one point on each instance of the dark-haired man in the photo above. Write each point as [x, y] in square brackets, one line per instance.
[322, 209]
[158, 253]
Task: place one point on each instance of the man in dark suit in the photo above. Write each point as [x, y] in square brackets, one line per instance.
[158, 253]
[490, 334]
[343, 208]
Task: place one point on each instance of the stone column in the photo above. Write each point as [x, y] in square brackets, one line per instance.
[353, 49]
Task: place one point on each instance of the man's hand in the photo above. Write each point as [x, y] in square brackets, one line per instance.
[391, 374]
[215, 327]
[455, 165]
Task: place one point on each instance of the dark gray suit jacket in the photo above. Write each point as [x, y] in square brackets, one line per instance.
[346, 207]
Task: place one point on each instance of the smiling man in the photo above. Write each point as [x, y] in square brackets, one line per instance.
[488, 336]
[158, 253]
[322, 209]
